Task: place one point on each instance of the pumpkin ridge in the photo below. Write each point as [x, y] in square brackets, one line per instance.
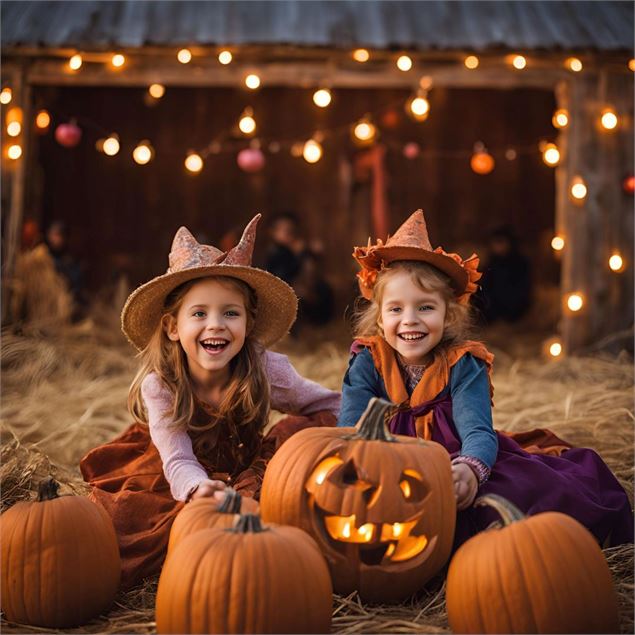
[528, 590]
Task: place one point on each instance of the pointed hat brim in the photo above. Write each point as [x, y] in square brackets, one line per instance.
[276, 312]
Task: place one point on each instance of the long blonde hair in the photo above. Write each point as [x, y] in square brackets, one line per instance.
[246, 401]
[457, 327]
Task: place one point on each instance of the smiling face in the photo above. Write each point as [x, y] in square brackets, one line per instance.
[412, 319]
[211, 326]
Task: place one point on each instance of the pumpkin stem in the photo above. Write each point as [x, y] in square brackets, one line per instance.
[372, 424]
[47, 490]
[231, 503]
[248, 524]
[508, 512]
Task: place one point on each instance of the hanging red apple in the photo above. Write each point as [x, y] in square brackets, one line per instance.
[68, 134]
[251, 160]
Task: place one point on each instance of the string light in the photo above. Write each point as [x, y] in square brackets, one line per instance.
[75, 63]
[404, 63]
[194, 162]
[574, 64]
[616, 262]
[519, 62]
[118, 60]
[609, 119]
[471, 62]
[482, 162]
[557, 243]
[312, 151]
[361, 55]
[156, 90]
[555, 347]
[551, 154]
[322, 97]
[14, 129]
[247, 123]
[225, 57]
[419, 107]
[143, 153]
[364, 131]
[5, 96]
[631, 64]
[184, 56]
[111, 145]
[575, 301]
[560, 118]
[14, 152]
[42, 120]
[578, 188]
[252, 81]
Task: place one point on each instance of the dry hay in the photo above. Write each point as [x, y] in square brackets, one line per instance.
[65, 395]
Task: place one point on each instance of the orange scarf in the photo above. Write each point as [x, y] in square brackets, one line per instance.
[434, 380]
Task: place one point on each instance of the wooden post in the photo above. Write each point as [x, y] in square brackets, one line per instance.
[22, 97]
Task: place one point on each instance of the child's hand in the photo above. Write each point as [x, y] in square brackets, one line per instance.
[207, 489]
[465, 485]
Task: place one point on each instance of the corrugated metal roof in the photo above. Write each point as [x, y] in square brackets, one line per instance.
[435, 24]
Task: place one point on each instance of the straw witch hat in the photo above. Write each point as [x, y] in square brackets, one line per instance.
[188, 259]
[411, 242]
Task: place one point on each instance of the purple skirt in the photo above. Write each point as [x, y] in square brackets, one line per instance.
[577, 482]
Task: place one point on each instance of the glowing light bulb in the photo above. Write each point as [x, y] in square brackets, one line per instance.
[322, 97]
[555, 349]
[14, 152]
[184, 56]
[560, 118]
[471, 62]
[551, 154]
[404, 63]
[111, 145]
[14, 128]
[420, 108]
[361, 55]
[156, 90]
[519, 62]
[574, 64]
[578, 188]
[575, 301]
[247, 123]
[194, 162]
[608, 119]
[557, 243]
[42, 120]
[143, 153]
[225, 57]
[75, 63]
[5, 96]
[312, 151]
[364, 130]
[118, 60]
[631, 64]
[252, 81]
[616, 262]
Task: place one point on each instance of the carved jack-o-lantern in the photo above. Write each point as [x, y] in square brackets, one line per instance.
[381, 507]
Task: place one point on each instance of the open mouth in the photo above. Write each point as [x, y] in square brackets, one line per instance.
[379, 543]
[412, 337]
[215, 345]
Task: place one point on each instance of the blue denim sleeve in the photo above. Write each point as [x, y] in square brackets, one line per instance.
[361, 383]
[472, 410]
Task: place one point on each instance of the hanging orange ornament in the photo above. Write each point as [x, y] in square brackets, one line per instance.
[482, 162]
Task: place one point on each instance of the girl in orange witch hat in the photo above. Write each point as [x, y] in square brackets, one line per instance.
[202, 395]
[413, 348]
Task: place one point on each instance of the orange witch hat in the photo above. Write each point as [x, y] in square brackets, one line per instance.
[411, 242]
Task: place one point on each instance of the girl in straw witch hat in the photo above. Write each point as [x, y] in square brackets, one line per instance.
[202, 394]
[412, 347]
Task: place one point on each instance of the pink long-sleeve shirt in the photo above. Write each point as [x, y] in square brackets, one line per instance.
[290, 393]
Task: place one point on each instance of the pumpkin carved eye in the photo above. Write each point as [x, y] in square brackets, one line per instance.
[412, 486]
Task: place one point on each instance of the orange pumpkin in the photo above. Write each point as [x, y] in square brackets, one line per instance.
[207, 513]
[60, 560]
[541, 574]
[247, 579]
[381, 507]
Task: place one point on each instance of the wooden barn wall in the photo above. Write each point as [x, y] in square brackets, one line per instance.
[116, 209]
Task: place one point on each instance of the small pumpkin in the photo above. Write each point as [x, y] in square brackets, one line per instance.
[250, 578]
[208, 513]
[381, 507]
[538, 574]
[60, 560]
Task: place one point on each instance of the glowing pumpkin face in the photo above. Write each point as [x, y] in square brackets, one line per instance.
[381, 507]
